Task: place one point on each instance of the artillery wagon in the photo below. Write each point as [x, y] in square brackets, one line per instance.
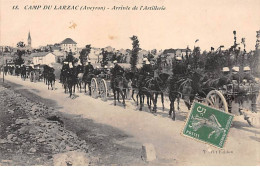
[100, 86]
[224, 97]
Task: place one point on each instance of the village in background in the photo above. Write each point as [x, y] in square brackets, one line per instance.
[55, 54]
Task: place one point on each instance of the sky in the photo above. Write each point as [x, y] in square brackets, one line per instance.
[183, 21]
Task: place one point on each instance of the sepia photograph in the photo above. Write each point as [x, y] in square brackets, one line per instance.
[129, 83]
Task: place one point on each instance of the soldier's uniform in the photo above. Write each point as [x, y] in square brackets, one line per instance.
[178, 68]
[179, 71]
[236, 77]
[146, 72]
[117, 71]
[89, 68]
[225, 77]
[248, 76]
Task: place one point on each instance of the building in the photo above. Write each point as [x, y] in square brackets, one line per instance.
[43, 58]
[177, 52]
[60, 56]
[68, 45]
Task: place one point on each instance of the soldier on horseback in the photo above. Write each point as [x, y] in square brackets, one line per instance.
[118, 82]
[236, 77]
[146, 70]
[248, 76]
[178, 71]
[89, 68]
[178, 67]
[117, 70]
[146, 73]
[225, 78]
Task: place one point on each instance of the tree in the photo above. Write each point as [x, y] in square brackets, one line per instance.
[20, 44]
[20, 52]
[196, 56]
[135, 51]
[19, 60]
[84, 54]
[151, 55]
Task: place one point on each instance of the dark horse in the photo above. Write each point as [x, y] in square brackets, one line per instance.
[119, 85]
[152, 87]
[70, 80]
[144, 89]
[49, 76]
[23, 72]
[86, 79]
[158, 86]
[185, 87]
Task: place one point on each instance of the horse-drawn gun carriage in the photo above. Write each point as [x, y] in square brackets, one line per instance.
[214, 92]
[234, 95]
[101, 84]
[110, 82]
[240, 93]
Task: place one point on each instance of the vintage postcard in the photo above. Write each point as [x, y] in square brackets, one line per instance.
[129, 82]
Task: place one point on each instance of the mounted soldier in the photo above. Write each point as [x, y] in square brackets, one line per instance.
[178, 69]
[117, 70]
[247, 75]
[225, 78]
[80, 68]
[146, 70]
[89, 68]
[236, 77]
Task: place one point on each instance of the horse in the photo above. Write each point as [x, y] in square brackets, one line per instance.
[51, 78]
[158, 86]
[17, 71]
[119, 84]
[86, 79]
[45, 73]
[23, 72]
[69, 80]
[144, 86]
[63, 78]
[80, 81]
[184, 87]
[79, 74]
[136, 79]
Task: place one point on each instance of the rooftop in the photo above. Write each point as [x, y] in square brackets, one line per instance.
[40, 54]
[68, 41]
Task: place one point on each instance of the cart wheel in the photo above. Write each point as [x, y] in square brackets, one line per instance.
[103, 89]
[217, 100]
[94, 88]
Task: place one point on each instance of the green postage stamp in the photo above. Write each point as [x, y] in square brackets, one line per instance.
[208, 125]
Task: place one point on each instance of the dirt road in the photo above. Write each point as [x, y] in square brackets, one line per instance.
[129, 129]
